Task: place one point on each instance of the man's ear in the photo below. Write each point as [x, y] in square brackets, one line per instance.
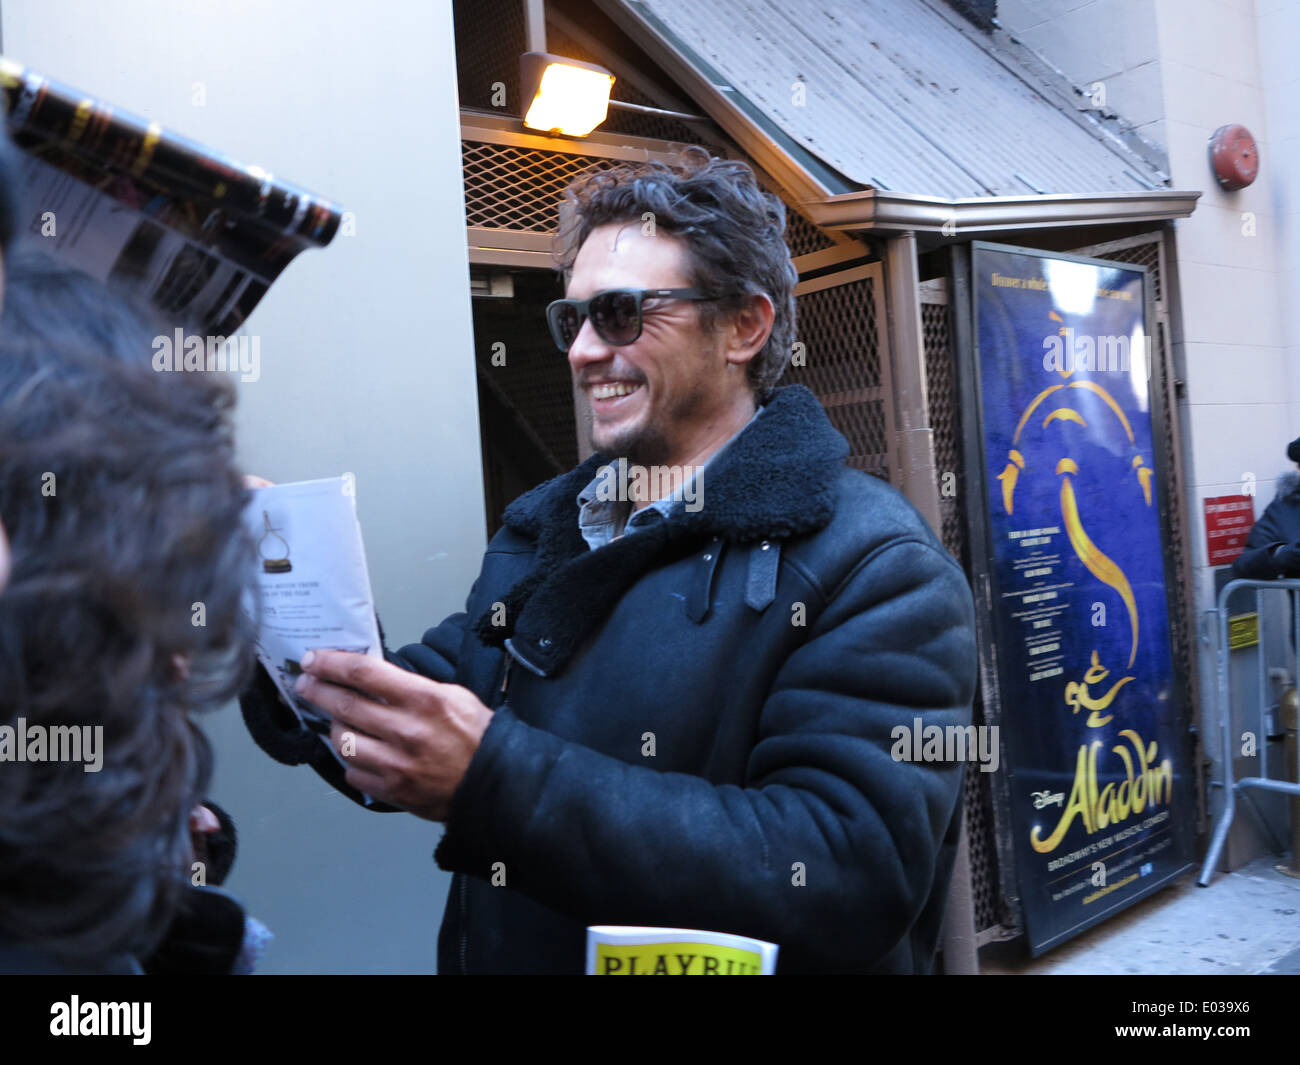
[749, 329]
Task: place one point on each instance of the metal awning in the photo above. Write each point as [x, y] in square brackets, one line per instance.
[898, 115]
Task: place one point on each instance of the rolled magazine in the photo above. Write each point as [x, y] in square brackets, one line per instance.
[180, 225]
[632, 950]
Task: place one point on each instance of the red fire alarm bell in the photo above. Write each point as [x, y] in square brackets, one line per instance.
[1233, 157]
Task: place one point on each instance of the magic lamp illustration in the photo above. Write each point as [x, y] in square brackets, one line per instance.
[273, 563]
[1079, 696]
[1105, 569]
[1101, 566]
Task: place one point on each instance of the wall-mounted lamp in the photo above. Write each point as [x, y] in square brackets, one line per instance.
[567, 96]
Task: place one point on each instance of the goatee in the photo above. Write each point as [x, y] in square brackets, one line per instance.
[641, 447]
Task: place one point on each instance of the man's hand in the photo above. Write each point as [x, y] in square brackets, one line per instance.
[407, 740]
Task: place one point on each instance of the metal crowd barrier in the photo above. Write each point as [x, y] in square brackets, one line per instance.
[1230, 787]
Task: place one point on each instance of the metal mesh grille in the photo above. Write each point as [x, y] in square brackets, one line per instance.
[1181, 623]
[837, 327]
[1147, 255]
[802, 236]
[941, 385]
[526, 417]
[535, 379]
[489, 41]
[981, 842]
[539, 386]
[1179, 542]
[945, 421]
[518, 188]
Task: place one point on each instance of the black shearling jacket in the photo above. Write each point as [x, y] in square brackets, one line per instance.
[693, 723]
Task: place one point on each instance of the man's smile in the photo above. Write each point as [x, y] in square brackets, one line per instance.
[613, 389]
[611, 397]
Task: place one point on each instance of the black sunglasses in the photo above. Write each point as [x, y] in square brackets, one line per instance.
[615, 313]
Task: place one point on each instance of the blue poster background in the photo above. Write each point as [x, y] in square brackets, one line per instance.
[1099, 788]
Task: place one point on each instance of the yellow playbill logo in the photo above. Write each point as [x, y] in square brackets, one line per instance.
[621, 950]
[676, 959]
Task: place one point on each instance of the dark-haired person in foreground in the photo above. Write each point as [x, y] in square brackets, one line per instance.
[653, 712]
[11, 198]
[121, 505]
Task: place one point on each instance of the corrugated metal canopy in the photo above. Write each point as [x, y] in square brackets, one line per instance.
[898, 96]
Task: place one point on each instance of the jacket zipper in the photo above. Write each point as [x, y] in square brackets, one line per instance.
[505, 682]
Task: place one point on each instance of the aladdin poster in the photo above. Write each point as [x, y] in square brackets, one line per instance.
[1099, 789]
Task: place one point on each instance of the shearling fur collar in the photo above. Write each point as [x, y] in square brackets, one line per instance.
[776, 480]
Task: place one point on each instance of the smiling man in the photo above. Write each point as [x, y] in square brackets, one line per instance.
[657, 714]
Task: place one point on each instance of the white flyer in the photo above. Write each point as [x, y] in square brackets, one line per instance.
[314, 583]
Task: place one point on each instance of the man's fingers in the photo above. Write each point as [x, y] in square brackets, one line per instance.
[361, 752]
[405, 739]
[365, 673]
[370, 784]
[346, 706]
[367, 760]
[203, 820]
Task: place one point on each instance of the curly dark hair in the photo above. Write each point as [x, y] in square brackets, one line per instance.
[732, 229]
[122, 504]
[11, 194]
[47, 302]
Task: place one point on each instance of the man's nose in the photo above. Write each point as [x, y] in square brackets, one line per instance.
[587, 348]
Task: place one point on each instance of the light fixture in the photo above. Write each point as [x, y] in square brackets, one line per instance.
[566, 96]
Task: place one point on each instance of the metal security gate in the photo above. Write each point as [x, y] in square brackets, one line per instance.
[845, 356]
[993, 918]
